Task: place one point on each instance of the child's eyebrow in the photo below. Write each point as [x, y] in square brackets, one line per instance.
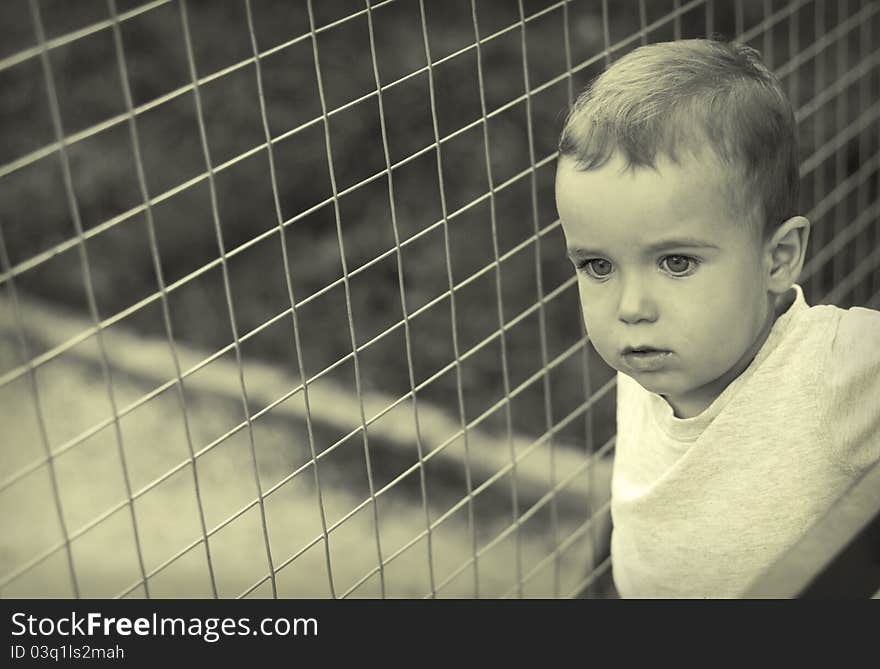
[687, 242]
[575, 252]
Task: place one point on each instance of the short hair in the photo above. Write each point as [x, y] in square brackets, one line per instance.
[686, 96]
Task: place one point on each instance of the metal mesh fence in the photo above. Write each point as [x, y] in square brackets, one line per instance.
[285, 309]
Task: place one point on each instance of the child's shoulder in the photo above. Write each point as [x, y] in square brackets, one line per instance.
[846, 332]
[844, 344]
[851, 380]
[858, 326]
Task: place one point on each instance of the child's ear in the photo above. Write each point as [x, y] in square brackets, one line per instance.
[787, 249]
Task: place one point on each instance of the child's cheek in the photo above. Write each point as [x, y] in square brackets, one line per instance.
[600, 340]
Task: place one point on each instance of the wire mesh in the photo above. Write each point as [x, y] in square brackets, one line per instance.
[285, 310]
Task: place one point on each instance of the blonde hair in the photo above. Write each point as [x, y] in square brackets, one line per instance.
[687, 96]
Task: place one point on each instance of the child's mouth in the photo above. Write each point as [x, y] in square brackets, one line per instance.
[644, 359]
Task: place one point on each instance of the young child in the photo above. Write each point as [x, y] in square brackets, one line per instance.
[742, 412]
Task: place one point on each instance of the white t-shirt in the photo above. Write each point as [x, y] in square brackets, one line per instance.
[702, 506]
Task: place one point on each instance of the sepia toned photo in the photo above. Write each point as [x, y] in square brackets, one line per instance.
[417, 299]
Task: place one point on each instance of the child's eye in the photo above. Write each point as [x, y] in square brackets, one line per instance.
[679, 265]
[598, 268]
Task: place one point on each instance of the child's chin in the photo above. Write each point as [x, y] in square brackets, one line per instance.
[651, 383]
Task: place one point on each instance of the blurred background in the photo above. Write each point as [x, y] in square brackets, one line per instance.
[284, 303]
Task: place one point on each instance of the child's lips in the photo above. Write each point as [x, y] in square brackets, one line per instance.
[645, 359]
[642, 348]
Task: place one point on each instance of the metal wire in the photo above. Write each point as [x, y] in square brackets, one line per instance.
[58, 350]
[157, 267]
[292, 299]
[200, 118]
[793, 47]
[676, 25]
[841, 114]
[834, 231]
[504, 470]
[58, 129]
[849, 281]
[597, 573]
[865, 40]
[104, 226]
[828, 252]
[539, 285]
[34, 52]
[740, 20]
[73, 138]
[357, 374]
[493, 219]
[470, 352]
[452, 311]
[643, 23]
[404, 310]
[550, 496]
[818, 176]
[868, 216]
[41, 425]
[586, 377]
[587, 526]
[820, 46]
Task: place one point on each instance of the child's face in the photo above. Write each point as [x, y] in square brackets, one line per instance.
[663, 263]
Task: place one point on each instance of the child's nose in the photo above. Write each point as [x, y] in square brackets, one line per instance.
[636, 303]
